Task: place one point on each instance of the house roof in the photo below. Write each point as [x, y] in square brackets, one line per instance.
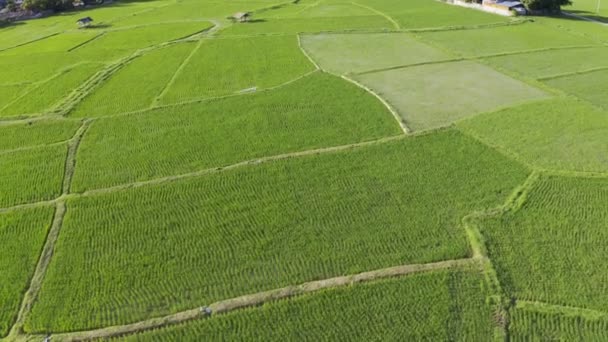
[509, 4]
[240, 15]
[84, 20]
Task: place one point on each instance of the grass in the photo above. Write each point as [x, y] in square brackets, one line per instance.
[557, 134]
[504, 39]
[527, 325]
[44, 97]
[552, 249]
[34, 133]
[587, 86]
[440, 306]
[318, 111]
[341, 53]
[208, 238]
[22, 235]
[226, 66]
[31, 175]
[134, 87]
[535, 64]
[465, 89]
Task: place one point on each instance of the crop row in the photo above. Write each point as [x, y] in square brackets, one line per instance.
[33, 133]
[527, 325]
[131, 255]
[31, 175]
[225, 66]
[317, 111]
[22, 234]
[43, 97]
[553, 248]
[556, 134]
[134, 86]
[439, 306]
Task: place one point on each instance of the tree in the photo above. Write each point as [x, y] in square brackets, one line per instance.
[42, 5]
[11, 5]
[549, 5]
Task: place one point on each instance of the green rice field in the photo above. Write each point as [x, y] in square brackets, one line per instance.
[321, 170]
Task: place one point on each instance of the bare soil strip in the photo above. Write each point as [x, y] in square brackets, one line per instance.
[257, 299]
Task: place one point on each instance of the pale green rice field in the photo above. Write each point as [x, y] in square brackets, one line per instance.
[331, 170]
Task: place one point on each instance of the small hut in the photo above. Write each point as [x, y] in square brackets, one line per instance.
[242, 17]
[84, 22]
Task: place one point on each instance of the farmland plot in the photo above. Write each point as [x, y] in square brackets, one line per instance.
[591, 86]
[10, 92]
[63, 42]
[169, 247]
[301, 25]
[526, 325]
[318, 111]
[33, 133]
[553, 249]
[566, 61]
[344, 53]
[31, 175]
[435, 95]
[22, 234]
[43, 97]
[142, 37]
[553, 134]
[23, 69]
[226, 66]
[135, 87]
[439, 306]
[504, 39]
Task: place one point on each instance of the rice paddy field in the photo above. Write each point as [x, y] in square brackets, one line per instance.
[328, 170]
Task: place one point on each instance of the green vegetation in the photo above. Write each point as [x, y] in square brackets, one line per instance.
[226, 66]
[341, 53]
[465, 90]
[144, 36]
[208, 239]
[439, 306]
[553, 134]
[504, 39]
[193, 158]
[301, 25]
[317, 111]
[562, 62]
[528, 325]
[57, 43]
[22, 234]
[552, 249]
[43, 97]
[34, 133]
[135, 87]
[589, 86]
[31, 175]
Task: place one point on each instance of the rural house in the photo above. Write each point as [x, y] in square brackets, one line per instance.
[242, 17]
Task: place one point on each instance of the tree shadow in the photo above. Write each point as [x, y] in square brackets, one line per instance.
[590, 15]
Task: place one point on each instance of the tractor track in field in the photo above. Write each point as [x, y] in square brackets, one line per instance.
[256, 299]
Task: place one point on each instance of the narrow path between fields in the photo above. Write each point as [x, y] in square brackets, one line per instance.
[259, 298]
[49, 245]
